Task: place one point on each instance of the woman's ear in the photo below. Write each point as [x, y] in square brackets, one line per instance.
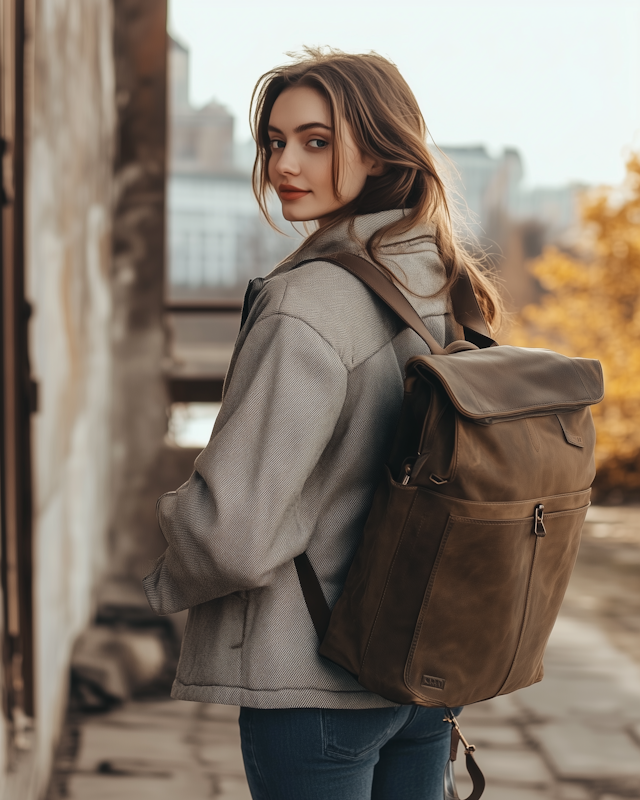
[375, 167]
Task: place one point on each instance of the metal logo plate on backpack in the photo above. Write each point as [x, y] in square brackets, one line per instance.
[434, 683]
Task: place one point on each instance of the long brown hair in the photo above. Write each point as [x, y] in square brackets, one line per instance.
[368, 93]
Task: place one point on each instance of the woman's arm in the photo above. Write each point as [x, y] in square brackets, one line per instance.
[234, 522]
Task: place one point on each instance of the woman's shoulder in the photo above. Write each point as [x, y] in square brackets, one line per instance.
[306, 287]
[332, 301]
[322, 284]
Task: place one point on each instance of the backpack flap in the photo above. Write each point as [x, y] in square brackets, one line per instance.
[503, 383]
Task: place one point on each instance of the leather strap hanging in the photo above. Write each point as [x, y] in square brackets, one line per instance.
[319, 611]
[475, 773]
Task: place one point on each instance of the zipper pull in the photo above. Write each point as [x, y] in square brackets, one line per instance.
[407, 474]
[538, 521]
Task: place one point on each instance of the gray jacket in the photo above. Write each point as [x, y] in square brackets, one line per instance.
[311, 403]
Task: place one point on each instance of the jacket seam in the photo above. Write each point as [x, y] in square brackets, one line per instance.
[287, 315]
[274, 691]
[294, 316]
[349, 369]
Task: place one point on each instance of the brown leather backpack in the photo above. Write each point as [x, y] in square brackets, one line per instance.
[474, 530]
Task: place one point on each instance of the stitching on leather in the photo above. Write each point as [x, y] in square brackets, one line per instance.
[427, 436]
[505, 503]
[384, 591]
[425, 605]
[525, 616]
[533, 435]
[566, 511]
[580, 379]
[521, 410]
[456, 449]
[474, 521]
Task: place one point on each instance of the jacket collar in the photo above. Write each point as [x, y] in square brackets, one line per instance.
[406, 255]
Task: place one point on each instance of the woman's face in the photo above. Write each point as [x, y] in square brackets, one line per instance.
[300, 166]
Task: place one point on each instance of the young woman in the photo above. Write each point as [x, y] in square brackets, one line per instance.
[311, 401]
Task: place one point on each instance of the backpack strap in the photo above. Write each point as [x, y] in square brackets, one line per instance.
[466, 308]
[319, 610]
[475, 773]
[387, 291]
[468, 313]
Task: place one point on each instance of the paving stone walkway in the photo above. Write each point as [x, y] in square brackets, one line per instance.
[152, 750]
[574, 736]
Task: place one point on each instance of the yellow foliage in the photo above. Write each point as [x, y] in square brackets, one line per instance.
[592, 309]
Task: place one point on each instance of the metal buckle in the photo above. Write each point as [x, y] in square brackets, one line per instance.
[468, 748]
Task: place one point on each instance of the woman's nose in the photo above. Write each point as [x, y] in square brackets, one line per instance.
[288, 164]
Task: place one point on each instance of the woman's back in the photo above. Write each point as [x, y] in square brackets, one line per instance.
[311, 405]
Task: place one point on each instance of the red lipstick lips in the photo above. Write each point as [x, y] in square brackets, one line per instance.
[289, 192]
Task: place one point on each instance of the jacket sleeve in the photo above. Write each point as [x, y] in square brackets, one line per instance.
[234, 521]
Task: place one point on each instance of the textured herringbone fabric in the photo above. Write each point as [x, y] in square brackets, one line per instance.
[310, 407]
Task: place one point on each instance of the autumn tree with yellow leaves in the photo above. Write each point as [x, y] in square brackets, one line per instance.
[591, 308]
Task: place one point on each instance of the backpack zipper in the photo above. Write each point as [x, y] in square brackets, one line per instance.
[407, 474]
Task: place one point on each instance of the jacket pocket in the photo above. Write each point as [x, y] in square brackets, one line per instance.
[213, 639]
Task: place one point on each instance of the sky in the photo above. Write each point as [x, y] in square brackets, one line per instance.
[557, 79]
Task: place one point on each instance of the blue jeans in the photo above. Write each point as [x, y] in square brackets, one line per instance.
[325, 754]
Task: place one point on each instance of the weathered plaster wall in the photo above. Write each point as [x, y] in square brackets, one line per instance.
[139, 389]
[95, 207]
[68, 211]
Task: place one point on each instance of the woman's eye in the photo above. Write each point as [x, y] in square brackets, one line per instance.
[319, 144]
[277, 144]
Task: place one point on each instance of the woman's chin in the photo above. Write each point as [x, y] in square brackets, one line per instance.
[291, 216]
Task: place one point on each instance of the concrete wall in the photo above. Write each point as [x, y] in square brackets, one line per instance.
[70, 146]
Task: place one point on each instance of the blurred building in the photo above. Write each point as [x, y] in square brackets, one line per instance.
[218, 239]
[556, 209]
[508, 222]
[201, 139]
[479, 182]
[484, 184]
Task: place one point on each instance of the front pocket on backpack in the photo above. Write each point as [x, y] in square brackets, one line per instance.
[489, 607]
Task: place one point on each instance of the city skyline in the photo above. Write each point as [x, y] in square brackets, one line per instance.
[217, 239]
[559, 81]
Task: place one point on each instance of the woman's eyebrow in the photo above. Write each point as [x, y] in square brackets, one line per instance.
[308, 125]
[302, 128]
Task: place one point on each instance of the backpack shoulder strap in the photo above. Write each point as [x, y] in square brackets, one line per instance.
[468, 313]
[387, 291]
[466, 308]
